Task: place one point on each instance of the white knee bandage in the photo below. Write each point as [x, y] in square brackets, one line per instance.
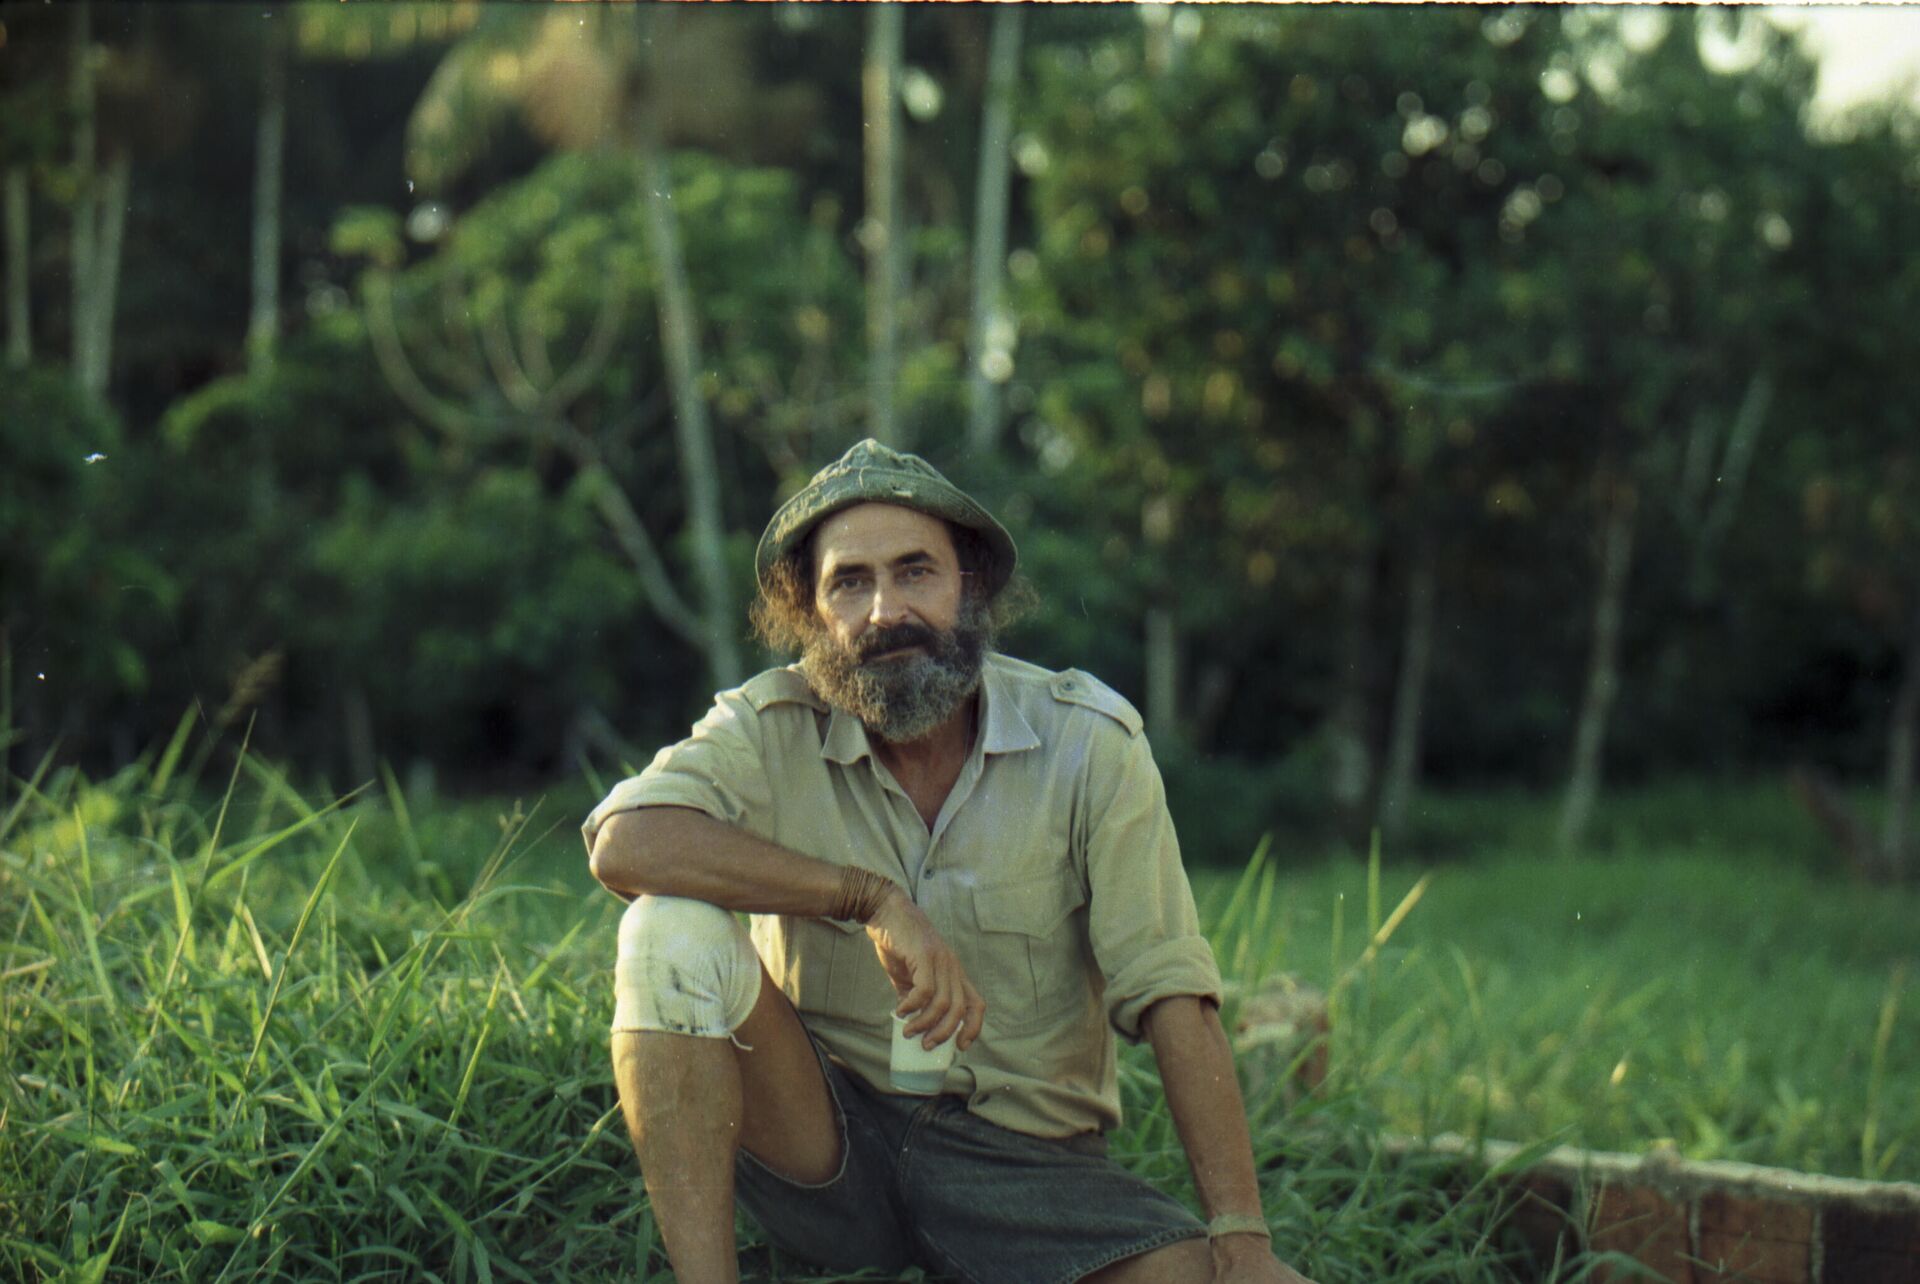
[685, 967]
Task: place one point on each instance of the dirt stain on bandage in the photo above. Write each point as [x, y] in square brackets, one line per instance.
[671, 979]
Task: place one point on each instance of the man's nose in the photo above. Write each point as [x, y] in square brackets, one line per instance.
[889, 605]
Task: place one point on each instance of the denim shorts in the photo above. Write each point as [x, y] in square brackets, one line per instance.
[925, 1182]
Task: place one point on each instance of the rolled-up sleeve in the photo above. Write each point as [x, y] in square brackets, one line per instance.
[1141, 917]
[718, 769]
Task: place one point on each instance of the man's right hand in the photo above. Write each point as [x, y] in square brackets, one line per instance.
[933, 986]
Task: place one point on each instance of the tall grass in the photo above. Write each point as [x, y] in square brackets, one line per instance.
[247, 1036]
[232, 1052]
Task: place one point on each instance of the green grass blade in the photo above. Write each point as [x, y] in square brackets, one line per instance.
[170, 757]
[299, 930]
[30, 792]
[473, 1058]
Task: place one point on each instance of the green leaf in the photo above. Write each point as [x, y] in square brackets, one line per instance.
[215, 1232]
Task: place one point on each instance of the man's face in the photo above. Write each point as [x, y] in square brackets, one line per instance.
[877, 566]
[901, 641]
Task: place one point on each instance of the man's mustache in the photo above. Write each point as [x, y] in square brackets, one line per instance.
[894, 638]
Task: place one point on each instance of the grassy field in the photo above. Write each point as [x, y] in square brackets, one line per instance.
[249, 1036]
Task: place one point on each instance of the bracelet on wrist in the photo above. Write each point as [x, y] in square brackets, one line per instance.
[1238, 1224]
[860, 894]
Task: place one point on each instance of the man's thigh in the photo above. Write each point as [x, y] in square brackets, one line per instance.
[787, 1120]
[998, 1206]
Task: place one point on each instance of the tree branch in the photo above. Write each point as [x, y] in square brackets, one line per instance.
[507, 374]
[598, 351]
[389, 351]
[628, 531]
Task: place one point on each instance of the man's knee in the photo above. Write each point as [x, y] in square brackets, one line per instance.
[684, 967]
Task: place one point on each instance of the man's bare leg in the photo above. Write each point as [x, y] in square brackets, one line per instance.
[690, 1101]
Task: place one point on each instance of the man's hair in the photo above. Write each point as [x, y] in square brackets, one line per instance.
[783, 614]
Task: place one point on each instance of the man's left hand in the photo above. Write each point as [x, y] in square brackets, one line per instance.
[1249, 1259]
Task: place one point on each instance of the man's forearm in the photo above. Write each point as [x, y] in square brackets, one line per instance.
[677, 851]
[1196, 1071]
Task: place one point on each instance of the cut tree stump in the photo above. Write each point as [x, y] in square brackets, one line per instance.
[1280, 1034]
[1697, 1222]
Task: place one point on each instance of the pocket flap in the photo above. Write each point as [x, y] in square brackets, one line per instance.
[1031, 906]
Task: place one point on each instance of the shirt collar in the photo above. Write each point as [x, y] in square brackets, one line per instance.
[846, 740]
[1003, 728]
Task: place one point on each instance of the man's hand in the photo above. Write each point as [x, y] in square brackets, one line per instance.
[1249, 1259]
[934, 989]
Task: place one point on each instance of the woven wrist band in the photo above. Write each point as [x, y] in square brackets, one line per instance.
[1238, 1224]
[861, 891]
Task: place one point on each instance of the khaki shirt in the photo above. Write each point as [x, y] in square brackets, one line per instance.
[1052, 870]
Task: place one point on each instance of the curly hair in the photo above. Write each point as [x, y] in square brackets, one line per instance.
[783, 614]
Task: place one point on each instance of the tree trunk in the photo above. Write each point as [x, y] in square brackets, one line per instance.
[880, 90]
[84, 230]
[105, 284]
[1603, 672]
[269, 150]
[1902, 732]
[1163, 675]
[990, 343]
[693, 435]
[1159, 517]
[19, 298]
[1717, 514]
[1352, 760]
[1409, 696]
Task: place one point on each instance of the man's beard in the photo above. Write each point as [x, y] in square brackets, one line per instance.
[903, 697]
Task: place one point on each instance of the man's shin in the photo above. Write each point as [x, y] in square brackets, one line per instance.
[681, 1098]
[685, 979]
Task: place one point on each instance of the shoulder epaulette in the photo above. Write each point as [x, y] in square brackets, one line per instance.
[779, 686]
[1072, 686]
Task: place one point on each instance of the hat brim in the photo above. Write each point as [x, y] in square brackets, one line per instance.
[934, 496]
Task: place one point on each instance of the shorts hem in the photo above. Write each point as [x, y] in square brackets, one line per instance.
[1159, 1239]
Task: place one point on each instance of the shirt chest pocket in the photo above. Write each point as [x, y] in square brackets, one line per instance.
[849, 982]
[1031, 961]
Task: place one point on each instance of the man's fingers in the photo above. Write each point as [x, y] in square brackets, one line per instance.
[934, 1013]
[949, 1022]
[976, 1016]
[914, 998]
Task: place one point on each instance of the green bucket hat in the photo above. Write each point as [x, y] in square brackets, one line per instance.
[873, 473]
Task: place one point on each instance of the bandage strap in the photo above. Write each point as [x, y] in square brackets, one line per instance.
[1238, 1224]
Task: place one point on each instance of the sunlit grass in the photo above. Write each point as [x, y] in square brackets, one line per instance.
[253, 1036]
[1729, 1004]
[234, 1051]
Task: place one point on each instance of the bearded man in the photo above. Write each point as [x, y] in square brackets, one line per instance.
[918, 826]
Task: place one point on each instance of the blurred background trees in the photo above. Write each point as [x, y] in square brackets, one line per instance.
[1455, 397]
